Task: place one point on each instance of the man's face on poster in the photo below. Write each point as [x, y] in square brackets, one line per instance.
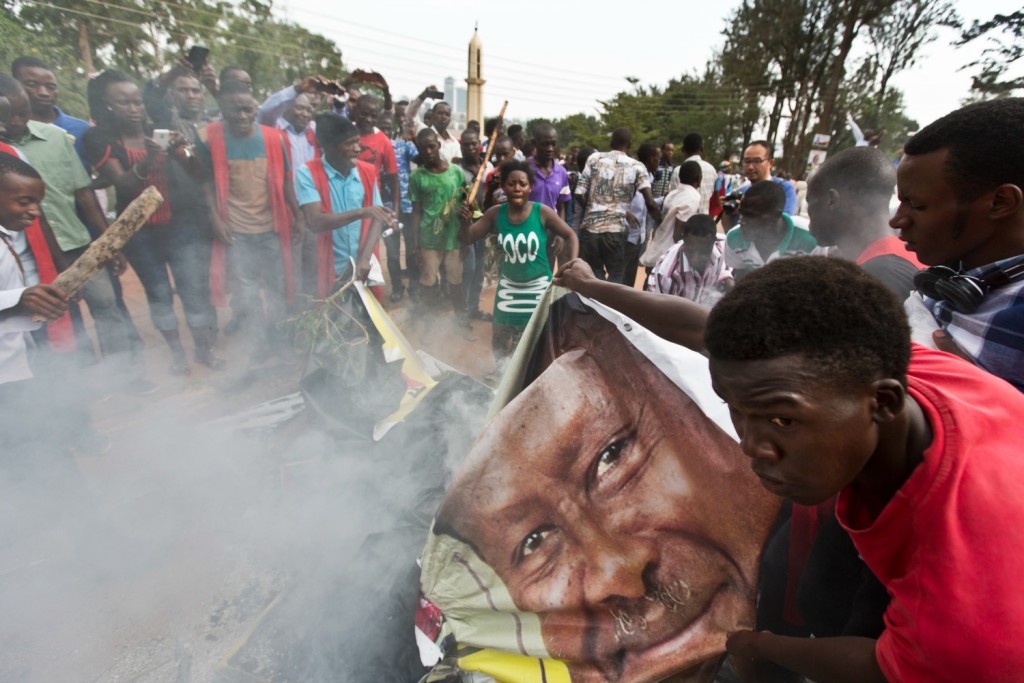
[612, 507]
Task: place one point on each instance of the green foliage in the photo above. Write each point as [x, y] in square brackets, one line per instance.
[1003, 51]
[691, 103]
[887, 116]
[581, 130]
[16, 40]
[782, 74]
[145, 37]
[531, 125]
[274, 52]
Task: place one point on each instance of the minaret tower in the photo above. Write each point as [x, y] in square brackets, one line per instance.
[475, 80]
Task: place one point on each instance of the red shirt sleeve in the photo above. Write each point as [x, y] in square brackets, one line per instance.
[390, 163]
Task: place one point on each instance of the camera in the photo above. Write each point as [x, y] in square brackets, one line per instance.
[197, 57]
[731, 202]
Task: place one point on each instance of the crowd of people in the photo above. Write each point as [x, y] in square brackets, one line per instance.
[268, 206]
[262, 205]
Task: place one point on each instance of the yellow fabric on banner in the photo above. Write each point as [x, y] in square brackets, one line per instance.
[396, 347]
[509, 668]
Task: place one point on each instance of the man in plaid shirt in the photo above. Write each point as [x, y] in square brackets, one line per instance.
[961, 211]
[663, 176]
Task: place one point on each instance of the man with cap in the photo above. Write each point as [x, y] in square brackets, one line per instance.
[340, 200]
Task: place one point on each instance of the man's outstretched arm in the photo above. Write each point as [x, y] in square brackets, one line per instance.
[670, 317]
[843, 659]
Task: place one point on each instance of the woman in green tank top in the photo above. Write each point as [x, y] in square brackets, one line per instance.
[522, 227]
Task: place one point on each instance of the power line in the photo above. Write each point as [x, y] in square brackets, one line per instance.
[446, 46]
[329, 18]
[302, 50]
[708, 104]
[538, 82]
[534, 84]
[605, 81]
[524, 95]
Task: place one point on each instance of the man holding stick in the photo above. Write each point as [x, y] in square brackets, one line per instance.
[70, 200]
[21, 307]
[473, 262]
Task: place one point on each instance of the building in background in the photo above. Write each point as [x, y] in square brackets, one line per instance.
[449, 93]
[475, 80]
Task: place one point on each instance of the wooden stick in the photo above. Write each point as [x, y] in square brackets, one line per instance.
[108, 244]
[490, 151]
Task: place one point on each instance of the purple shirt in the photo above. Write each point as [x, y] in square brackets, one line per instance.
[550, 189]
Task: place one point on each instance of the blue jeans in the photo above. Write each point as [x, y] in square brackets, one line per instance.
[113, 326]
[473, 275]
[175, 246]
[393, 245]
[254, 263]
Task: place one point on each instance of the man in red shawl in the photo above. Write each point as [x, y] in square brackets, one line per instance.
[340, 200]
[253, 210]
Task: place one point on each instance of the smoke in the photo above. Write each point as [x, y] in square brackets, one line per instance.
[271, 543]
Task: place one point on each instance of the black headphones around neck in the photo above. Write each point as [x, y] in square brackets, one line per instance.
[963, 293]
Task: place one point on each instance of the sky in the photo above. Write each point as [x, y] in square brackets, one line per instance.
[553, 58]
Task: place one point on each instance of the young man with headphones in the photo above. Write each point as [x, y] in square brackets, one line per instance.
[961, 212]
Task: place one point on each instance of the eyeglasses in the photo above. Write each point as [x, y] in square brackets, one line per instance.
[754, 161]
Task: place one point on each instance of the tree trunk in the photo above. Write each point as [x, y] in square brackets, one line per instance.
[776, 116]
[85, 48]
[850, 25]
[155, 42]
[882, 88]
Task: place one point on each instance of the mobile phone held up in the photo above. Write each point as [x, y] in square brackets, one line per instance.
[329, 87]
[197, 56]
[435, 94]
[162, 137]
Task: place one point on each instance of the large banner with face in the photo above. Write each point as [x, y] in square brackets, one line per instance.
[605, 525]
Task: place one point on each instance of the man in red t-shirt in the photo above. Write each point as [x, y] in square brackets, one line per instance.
[813, 357]
[378, 151]
[376, 147]
[848, 204]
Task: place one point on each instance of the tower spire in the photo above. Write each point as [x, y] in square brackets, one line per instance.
[475, 78]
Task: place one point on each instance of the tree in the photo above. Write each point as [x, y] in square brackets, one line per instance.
[1000, 55]
[898, 36]
[859, 96]
[17, 40]
[790, 59]
[143, 37]
[581, 130]
[116, 29]
[855, 15]
[274, 52]
[779, 54]
[640, 110]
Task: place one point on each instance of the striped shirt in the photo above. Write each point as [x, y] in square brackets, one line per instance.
[993, 335]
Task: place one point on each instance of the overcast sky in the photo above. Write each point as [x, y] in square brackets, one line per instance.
[556, 57]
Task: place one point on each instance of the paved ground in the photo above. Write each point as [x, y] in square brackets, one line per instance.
[172, 544]
[191, 532]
